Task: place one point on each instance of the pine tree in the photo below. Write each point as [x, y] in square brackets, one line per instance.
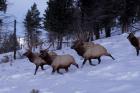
[87, 13]
[3, 5]
[32, 25]
[108, 15]
[33, 19]
[2, 2]
[90, 17]
[58, 18]
[127, 13]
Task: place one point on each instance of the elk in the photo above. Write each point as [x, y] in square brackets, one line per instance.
[58, 61]
[94, 51]
[135, 41]
[35, 59]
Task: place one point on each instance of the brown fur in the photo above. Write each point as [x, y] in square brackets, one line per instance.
[58, 61]
[52, 54]
[135, 41]
[63, 61]
[45, 55]
[35, 59]
[88, 44]
[78, 46]
[92, 51]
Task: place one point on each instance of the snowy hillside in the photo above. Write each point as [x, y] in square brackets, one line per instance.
[111, 76]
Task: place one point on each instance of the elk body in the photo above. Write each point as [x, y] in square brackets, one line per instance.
[58, 62]
[48, 56]
[63, 62]
[94, 51]
[35, 59]
[135, 42]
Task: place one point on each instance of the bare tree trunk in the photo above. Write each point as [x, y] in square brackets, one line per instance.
[97, 33]
[124, 27]
[15, 40]
[67, 41]
[59, 43]
[90, 37]
[108, 31]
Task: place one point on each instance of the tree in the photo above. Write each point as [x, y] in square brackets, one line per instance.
[32, 25]
[128, 11]
[58, 18]
[108, 15]
[95, 15]
[88, 9]
[8, 43]
[3, 5]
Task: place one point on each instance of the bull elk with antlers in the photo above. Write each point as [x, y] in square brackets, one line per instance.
[36, 59]
[89, 50]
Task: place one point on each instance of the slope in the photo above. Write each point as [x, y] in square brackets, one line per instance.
[111, 76]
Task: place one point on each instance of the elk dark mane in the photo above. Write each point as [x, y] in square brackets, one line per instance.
[35, 59]
[134, 42]
[78, 46]
[89, 50]
[30, 56]
[44, 55]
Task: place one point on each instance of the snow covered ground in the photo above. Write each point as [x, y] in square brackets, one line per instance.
[111, 76]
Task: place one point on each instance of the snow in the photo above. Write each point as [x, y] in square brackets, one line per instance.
[111, 76]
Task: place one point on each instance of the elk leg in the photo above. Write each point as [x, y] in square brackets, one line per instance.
[99, 60]
[66, 69]
[90, 62]
[36, 69]
[137, 50]
[53, 71]
[76, 65]
[42, 67]
[84, 62]
[59, 71]
[110, 56]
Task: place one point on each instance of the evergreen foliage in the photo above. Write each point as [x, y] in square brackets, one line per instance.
[32, 25]
[66, 17]
[58, 18]
[3, 5]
